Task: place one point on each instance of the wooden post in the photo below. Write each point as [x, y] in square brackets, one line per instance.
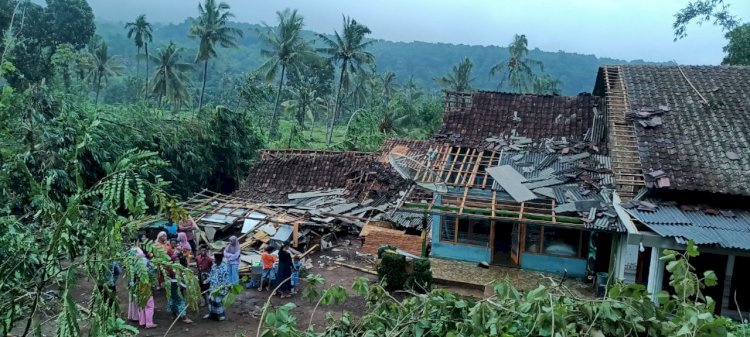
[492, 241]
[295, 234]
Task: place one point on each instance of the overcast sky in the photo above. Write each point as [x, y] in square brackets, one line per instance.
[624, 29]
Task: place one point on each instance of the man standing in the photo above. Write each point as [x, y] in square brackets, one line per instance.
[204, 263]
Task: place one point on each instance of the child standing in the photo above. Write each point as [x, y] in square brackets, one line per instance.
[267, 260]
[295, 273]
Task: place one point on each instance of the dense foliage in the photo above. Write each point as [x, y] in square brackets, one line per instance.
[548, 310]
[738, 47]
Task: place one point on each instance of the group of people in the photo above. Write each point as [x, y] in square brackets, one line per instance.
[216, 274]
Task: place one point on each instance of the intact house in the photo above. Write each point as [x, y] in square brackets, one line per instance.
[516, 180]
[679, 140]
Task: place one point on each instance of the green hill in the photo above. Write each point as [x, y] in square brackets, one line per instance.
[421, 60]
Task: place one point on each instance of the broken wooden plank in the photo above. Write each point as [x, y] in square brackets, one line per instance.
[307, 252]
[365, 270]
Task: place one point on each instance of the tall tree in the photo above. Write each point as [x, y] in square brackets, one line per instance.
[517, 69]
[459, 78]
[102, 67]
[388, 85]
[211, 29]
[546, 85]
[348, 49]
[69, 21]
[738, 48]
[704, 11]
[285, 48]
[363, 84]
[141, 32]
[171, 79]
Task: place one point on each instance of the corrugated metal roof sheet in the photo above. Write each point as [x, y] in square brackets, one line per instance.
[702, 228]
[408, 219]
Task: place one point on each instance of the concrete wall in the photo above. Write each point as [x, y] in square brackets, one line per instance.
[553, 264]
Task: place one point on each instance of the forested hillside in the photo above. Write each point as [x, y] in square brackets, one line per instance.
[420, 60]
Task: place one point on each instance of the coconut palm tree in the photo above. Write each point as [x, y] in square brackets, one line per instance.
[546, 85]
[171, 80]
[141, 32]
[102, 66]
[285, 48]
[517, 69]
[363, 86]
[211, 29]
[348, 49]
[459, 78]
[388, 86]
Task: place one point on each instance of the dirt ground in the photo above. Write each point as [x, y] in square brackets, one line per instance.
[244, 315]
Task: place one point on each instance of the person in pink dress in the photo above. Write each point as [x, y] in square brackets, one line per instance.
[144, 314]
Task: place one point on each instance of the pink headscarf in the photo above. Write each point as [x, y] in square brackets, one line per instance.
[184, 244]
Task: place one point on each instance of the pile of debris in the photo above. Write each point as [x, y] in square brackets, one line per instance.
[374, 181]
[306, 220]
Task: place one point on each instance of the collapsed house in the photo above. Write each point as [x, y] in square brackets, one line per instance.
[679, 147]
[526, 178]
[308, 199]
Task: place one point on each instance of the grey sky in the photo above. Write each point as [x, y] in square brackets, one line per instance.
[625, 29]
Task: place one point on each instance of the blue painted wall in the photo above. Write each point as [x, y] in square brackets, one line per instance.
[553, 264]
[446, 250]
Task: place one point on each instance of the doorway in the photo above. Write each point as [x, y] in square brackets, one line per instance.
[505, 240]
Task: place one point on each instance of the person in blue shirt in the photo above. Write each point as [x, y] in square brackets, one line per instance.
[296, 265]
[171, 228]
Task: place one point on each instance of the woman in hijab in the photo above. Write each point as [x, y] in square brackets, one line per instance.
[188, 227]
[232, 257]
[219, 281]
[285, 271]
[184, 246]
[162, 242]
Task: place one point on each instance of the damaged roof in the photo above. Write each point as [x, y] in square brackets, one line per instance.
[273, 177]
[537, 117]
[693, 124]
[725, 228]
[406, 147]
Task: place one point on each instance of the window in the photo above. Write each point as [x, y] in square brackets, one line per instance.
[556, 241]
[561, 241]
[474, 232]
[448, 228]
[470, 231]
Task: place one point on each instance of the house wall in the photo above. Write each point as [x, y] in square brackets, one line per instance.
[445, 250]
[553, 264]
